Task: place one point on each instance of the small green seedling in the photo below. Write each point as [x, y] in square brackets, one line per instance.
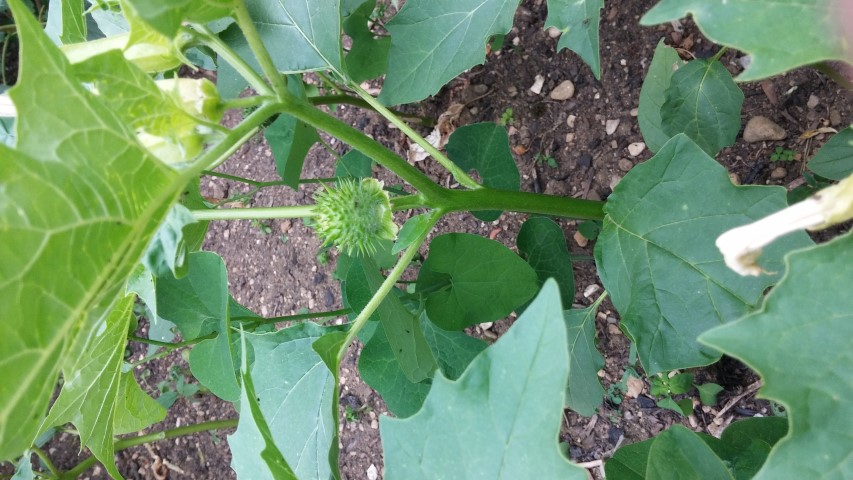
[262, 226]
[506, 117]
[548, 159]
[782, 155]
[665, 387]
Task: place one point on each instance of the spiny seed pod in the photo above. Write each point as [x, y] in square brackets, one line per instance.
[354, 216]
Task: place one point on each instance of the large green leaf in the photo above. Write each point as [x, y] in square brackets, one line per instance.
[657, 258]
[584, 391]
[799, 342]
[835, 159]
[433, 41]
[295, 392]
[754, 27]
[301, 35]
[578, 20]
[653, 94]
[167, 252]
[290, 140]
[354, 164]
[368, 56]
[79, 201]
[89, 396]
[679, 454]
[704, 102]
[542, 243]
[65, 21]
[166, 16]
[401, 327]
[135, 410]
[501, 418]
[484, 147]
[379, 368]
[468, 279]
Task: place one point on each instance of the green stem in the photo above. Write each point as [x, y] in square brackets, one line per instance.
[253, 322]
[454, 170]
[408, 202]
[46, 460]
[719, 54]
[170, 345]
[212, 41]
[359, 102]
[299, 211]
[126, 443]
[244, 20]
[384, 289]
[236, 137]
[493, 199]
[244, 102]
[366, 145]
[256, 183]
[330, 149]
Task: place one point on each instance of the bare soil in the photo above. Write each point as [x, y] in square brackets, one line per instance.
[274, 268]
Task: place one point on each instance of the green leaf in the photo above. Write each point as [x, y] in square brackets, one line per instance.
[433, 41]
[704, 102]
[668, 403]
[541, 242]
[400, 325]
[276, 466]
[653, 94]
[754, 27]
[484, 147]
[167, 252]
[166, 16]
[708, 393]
[354, 164]
[89, 396]
[835, 159]
[214, 363]
[468, 279]
[295, 392]
[311, 30]
[411, 231]
[584, 391]
[79, 202]
[680, 454]
[578, 21]
[506, 409]
[799, 343]
[197, 302]
[290, 140]
[194, 233]
[65, 21]
[368, 56]
[134, 410]
[656, 254]
[24, 470]
[680, 383]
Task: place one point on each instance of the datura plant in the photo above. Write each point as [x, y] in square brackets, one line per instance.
[101, 216]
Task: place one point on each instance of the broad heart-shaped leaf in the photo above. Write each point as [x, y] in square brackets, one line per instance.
[501, 418]
[310, 30]
[835, 159]
[653, 94]
[166, 16]
[542, 243]
[401, 326]
[753, 26]
[799, 342]
[584, 391]
[468, 279]
[89, 395]
[484, 147]
[704, 102]
[679, 454]
[742, 448]
[433, 41]
[79, 202]
[354, 164]
[578, 20]
[378, 366]
[657, 258]
[295, 392]
[290, 139]
[368, 56]
[135, 410]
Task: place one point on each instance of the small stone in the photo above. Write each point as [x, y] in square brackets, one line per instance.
[636, 148]
[613, 330]
[635, 112]
[813, 101]
[571, 120]
[834, 117]
[778, 173]
[580, 239]
[760, 129]
[564, 91]
[735, 178]
[554, 32]
[625, 164]
[634, 386]
[538, 82]
[611, 125]
[372, 472]
[585, 160]
[645, 402]
[590, 290]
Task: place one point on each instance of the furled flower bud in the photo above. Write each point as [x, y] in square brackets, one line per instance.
[742, 246]
[354, 216]
[199, 97]
[150, 57]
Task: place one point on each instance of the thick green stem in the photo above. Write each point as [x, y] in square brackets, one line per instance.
[454, 170]
[252, 322]
[526, 202]
[126, 443]
[256, 183]
[244, 20]
[236, 137]
[361, 103]
[169, 345]
[408, 202]
[299, 211]
[212, 41]
[244, 102]
[366, 145]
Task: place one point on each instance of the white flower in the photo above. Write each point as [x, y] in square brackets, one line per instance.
[7, 108]
[742, 246]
